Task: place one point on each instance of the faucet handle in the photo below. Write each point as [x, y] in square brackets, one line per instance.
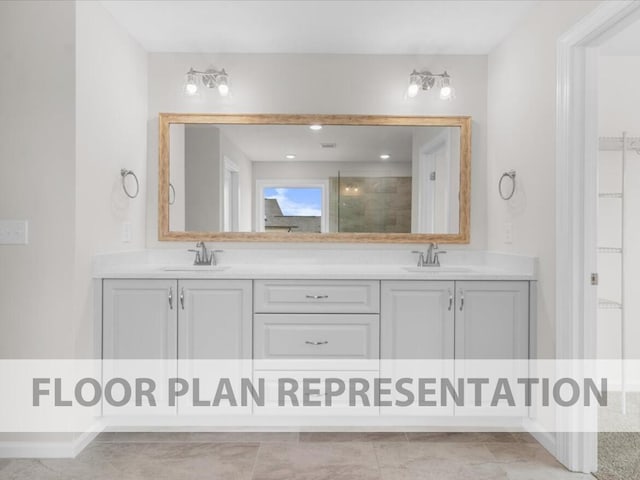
[420, 258]
[212, 258]
[436, 257]
[197, 252]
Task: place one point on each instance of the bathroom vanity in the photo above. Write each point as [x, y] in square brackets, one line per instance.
[281, 316]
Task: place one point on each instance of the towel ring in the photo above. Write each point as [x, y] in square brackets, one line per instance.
[125, 173]
[171, 189]
[512, 175]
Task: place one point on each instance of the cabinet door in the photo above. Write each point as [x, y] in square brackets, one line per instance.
[215, 319]
[139, 319]
[417, 337]
[417, 320]
[214, 340]
[492, 320]
[492, 323]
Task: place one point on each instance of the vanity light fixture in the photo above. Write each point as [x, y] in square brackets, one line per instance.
[315, 127]
[385, 156]
[210, 78]
[426, 81]
[290, 156]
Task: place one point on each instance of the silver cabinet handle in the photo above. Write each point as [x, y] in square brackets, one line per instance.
[461, 300]
[182, 298]
[317, 297]
[316, 343]
[450, 301]
[171, 298]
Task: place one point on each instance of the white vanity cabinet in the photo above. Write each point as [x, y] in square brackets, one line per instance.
[492, 320]
[417, 319]
[316, 329]
[455, 319]
[214, 319]
[139, 319]
[167, 319]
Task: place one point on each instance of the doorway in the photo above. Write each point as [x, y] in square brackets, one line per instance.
[578, 204]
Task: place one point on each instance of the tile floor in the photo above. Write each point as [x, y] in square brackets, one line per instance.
[304, 456]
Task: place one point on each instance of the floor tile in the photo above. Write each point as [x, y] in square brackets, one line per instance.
[444, 470]
[211, 461]
[244, 437]
[414, 454]
[27, 469]
[522, 453]
[353, 437]
[533, 471]
[142, 437]
[524, 437]
[461, 437]
[316, 461]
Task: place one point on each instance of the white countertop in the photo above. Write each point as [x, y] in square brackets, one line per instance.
[464, 266]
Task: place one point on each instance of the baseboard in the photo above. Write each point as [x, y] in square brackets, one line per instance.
[70, 449]
[544, 438]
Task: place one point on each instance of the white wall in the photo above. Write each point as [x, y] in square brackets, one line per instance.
[37, 177]
[176, 177]
[111, 107]
[354, 84]
[521, 136]
[202, 178]
[618, 111]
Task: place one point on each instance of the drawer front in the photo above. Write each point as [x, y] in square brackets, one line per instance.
[316, 336]
[310, 296]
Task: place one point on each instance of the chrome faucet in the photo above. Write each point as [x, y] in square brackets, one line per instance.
[431, 258]
[204, 256]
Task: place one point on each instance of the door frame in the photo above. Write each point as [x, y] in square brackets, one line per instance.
[576, 205]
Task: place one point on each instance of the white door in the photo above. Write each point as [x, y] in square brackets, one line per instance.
[214, 329]
[417, 334]
[231, 197]
[492, 323]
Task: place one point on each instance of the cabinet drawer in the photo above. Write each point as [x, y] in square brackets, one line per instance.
[311, 296]
[316, 336]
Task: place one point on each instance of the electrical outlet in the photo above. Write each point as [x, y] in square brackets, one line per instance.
[14, 232]
[127, 232]
[508, 233]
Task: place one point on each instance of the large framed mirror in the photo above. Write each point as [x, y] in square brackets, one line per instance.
[314, 178]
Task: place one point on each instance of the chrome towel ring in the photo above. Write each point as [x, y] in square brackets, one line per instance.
[512, 175]
[125, 173]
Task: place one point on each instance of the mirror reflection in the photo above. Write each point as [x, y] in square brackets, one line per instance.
[314, 178]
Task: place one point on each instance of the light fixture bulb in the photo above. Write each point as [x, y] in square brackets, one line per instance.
[415, 82]
[446, 90]
[385, 156]
[223, 90]
[315, 127]
[191, 83]
[223, 84]
[413, 89]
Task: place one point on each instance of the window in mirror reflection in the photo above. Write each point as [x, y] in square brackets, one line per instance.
[292, 209]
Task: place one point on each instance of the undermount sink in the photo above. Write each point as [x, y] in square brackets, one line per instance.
[195, 268]
[438, 270]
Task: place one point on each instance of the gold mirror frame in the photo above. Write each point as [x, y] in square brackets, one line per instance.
[463, 235]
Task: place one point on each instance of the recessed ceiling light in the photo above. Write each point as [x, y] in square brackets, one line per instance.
[315, 127]
[385, 156]
[290, 156]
